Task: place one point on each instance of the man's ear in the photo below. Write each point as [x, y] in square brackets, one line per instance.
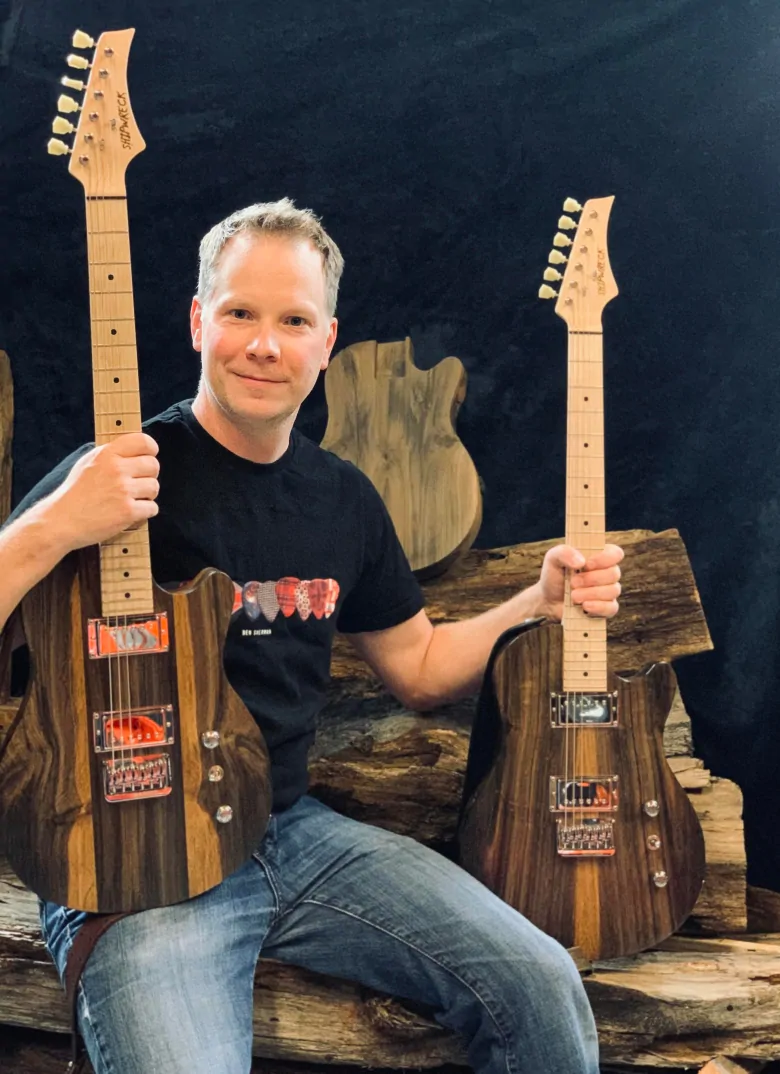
[329, 342]
[196, 324]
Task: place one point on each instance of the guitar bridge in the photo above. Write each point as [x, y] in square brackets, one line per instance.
[128, 778]
[593, 838]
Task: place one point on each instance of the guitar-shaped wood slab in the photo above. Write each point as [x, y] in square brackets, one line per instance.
[572, 814]
[133, 775]
[396, 423]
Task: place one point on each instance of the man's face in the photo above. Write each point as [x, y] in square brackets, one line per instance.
[264, 332]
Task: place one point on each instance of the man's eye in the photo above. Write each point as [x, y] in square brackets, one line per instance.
[240, 314]
[296, 321]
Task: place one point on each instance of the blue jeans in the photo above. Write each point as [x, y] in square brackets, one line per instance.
[171, 989]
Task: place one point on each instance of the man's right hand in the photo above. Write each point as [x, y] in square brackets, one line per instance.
[110, 489]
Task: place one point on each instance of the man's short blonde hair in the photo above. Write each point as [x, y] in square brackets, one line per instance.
[274, 218]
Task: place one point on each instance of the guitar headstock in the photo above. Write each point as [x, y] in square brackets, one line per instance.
[105, 138]
[587, 283]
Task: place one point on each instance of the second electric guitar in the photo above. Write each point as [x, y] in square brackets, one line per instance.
[572, 814]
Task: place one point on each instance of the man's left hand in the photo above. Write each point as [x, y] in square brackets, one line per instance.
[595, 581]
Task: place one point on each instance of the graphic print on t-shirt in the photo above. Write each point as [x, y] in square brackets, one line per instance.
[315, 596]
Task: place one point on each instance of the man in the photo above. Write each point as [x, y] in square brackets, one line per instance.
[237, 488]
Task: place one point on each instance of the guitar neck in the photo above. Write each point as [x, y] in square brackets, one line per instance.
[585, 638]
[126, 575]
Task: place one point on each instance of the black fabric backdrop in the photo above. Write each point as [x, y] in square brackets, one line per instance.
[438, 139]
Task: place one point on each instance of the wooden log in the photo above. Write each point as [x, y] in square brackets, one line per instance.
[6, 439]
[676, 1007]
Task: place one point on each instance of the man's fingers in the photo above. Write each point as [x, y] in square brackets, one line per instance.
[604, 609]
[585, 595]
[129, 444]
[608, 557]
[585, 579]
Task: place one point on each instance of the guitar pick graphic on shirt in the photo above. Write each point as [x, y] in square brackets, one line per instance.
[286, 591]
[302, 599]
[266, 598]
[249, 599]
[323, 594]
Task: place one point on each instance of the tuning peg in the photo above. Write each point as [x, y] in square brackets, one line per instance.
[561, 240]
[82, 40]
[60, 125]
[72, 83]
[571, 205]
[552, 274]
[547, 292]
[567, 223]
[57, 147]
[77, 61]
[555, 257]
[67, 104]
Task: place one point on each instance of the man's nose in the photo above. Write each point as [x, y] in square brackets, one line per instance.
[264, 343]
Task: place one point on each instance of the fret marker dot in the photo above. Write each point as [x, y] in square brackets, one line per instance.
[113, 331]
[110, 275]
[585, 634]
[127, 594]
[585, 486]
[125, 551]
[116, 380]
[585, 656]
[585, 674]
[586, 398]
[586, 445]
[118, 421]
[127, 574]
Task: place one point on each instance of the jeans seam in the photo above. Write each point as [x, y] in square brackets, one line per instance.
[277, 913]
[431, 958]
[82, 997]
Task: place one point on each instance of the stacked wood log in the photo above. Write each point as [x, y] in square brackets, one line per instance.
[712, 992]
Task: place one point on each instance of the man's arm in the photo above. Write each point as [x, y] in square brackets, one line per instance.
[108, 490]
[425, 666]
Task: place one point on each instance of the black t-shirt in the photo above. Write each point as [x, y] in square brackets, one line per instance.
[310, 548]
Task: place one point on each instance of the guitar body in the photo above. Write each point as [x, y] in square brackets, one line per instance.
[608, 906]
[62, 836]
[396, 423]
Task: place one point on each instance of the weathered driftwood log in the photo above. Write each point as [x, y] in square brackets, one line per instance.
[6, 438]
[676, 1007]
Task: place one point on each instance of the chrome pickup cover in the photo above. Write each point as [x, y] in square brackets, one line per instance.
[584, 710]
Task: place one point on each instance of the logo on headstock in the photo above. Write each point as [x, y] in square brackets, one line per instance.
[124, 117]
[601, 262]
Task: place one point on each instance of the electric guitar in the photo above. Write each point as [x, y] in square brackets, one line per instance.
[133, 775]
[571, 813]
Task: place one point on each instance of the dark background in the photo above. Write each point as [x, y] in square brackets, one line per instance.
[437, 140]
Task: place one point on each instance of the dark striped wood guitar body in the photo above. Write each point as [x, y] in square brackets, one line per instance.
[571, 813]
[133, 826]
[610, 904]
[133, 775]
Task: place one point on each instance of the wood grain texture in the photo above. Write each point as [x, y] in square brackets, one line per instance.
[67, 842]
[396, 423]
[607, 906]
[674, 1007]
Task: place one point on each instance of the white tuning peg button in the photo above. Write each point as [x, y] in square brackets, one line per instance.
[82, 40]
[552, 274]
[561, 240]
[547, 292]
[67, 104]
[72, 83]
[77, 61]
[557, 258]
[567, 223]
[571, 205]
[57, 147]
[60, 125]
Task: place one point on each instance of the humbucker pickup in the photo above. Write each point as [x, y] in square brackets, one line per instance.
[127, 635]
[584, 710]
[597, 794]
[137, 728]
